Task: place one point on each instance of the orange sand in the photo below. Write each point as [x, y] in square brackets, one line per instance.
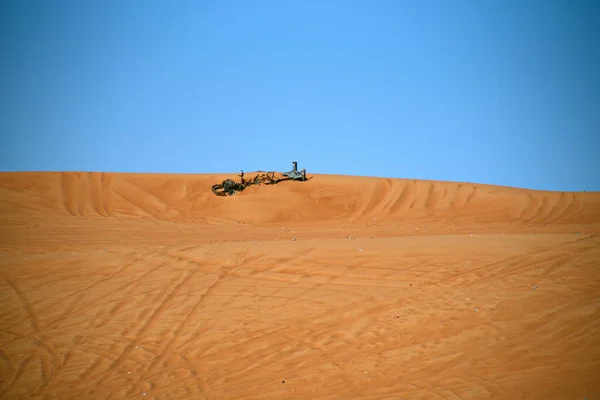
[144, 286]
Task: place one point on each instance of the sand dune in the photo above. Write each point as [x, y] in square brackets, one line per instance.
[185, 198]
[149, 286]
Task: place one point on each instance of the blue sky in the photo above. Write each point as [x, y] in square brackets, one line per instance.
[501, 92]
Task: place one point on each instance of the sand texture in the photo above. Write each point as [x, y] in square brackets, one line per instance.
[148, 286]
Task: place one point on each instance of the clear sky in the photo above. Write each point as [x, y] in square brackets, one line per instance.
[498, 91]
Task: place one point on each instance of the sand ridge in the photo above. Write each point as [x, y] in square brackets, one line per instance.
[150, 286]
[185, 198]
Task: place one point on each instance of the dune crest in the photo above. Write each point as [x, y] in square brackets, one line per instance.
[187, 198]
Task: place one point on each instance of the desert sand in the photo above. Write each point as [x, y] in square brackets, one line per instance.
[148, 286]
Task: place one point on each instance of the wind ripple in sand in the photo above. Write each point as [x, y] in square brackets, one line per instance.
[116, 285]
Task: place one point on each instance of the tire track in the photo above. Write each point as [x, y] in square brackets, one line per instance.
[128, 287]
[54, 322]
[158, 311]
[7, 369]
[279, 264]
[41, 343]
[47, 356]
[89, 371]
[358, 277]
[518, 261]
[184, 323]
[25, 304]
[46, 376]
[21, 369]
